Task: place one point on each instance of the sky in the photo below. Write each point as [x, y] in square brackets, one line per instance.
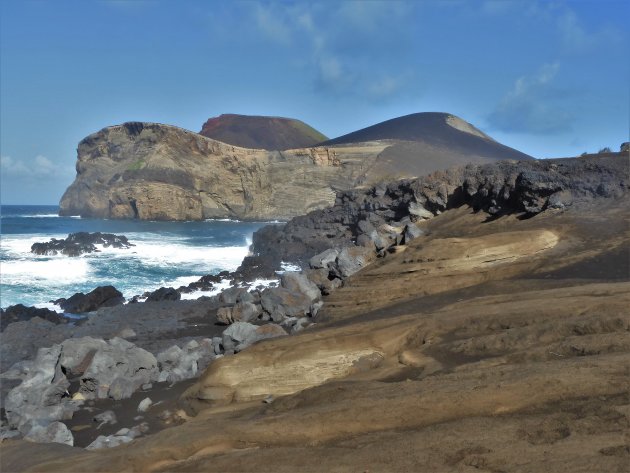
[549, 78]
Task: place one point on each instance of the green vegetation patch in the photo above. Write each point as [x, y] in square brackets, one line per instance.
[139, 164]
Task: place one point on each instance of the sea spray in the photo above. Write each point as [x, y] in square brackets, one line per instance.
[165, 254]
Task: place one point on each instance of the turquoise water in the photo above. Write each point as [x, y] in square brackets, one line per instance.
[166, 254]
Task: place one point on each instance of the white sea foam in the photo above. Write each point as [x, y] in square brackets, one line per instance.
[49, 306]
[50, 272]
[288, 267]
[165, 253]
[264, 282]
[183, 281]
[156, 260]
[40, 216]
[20, 245]
[217, 288]
[225, 284]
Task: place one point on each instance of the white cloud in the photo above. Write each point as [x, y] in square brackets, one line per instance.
[335, 41]
[330, 69]
[386, 86]
[573, 35]
[370, 15]
[44, 166]
[533, 105]
[577, 38]
[270, 20]
[40, 166]
[12, 167]
[497, 7]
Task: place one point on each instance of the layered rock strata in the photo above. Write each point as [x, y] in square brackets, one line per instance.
[159, 172]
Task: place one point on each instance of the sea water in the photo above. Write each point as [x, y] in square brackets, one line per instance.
[165, 254]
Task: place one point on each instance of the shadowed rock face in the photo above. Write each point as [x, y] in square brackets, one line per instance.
[160, 172]
[270, 133]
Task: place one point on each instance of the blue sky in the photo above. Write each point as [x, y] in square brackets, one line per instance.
[549, 78]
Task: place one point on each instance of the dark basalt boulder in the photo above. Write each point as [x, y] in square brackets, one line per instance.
[21, 313]
[114, 369]
[233, 295]
[258, 267]
[79, 243]
[164, 294]
[281, 303]
[102, 296]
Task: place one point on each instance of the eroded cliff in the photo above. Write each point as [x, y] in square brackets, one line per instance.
[160, 172]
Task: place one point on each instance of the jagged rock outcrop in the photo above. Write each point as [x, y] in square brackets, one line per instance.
[102, 296]
[79, 243]
[114, 369]
[160, 172]
[378, 214]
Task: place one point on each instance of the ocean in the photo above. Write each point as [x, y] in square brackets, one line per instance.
[165, 254]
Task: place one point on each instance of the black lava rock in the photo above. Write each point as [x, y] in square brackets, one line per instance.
[79, 243]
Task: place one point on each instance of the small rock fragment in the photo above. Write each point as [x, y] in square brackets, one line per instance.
[145, 404]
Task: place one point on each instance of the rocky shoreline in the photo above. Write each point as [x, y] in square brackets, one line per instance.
[53, 369]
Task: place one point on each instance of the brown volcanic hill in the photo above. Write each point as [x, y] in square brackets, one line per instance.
[426, 142]
[270, 133]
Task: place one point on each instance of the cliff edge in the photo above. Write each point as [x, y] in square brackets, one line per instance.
[151, 171]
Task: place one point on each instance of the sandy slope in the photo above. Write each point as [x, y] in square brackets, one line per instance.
[487, 345]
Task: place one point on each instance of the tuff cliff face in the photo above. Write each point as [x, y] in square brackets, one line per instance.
[159, 172]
